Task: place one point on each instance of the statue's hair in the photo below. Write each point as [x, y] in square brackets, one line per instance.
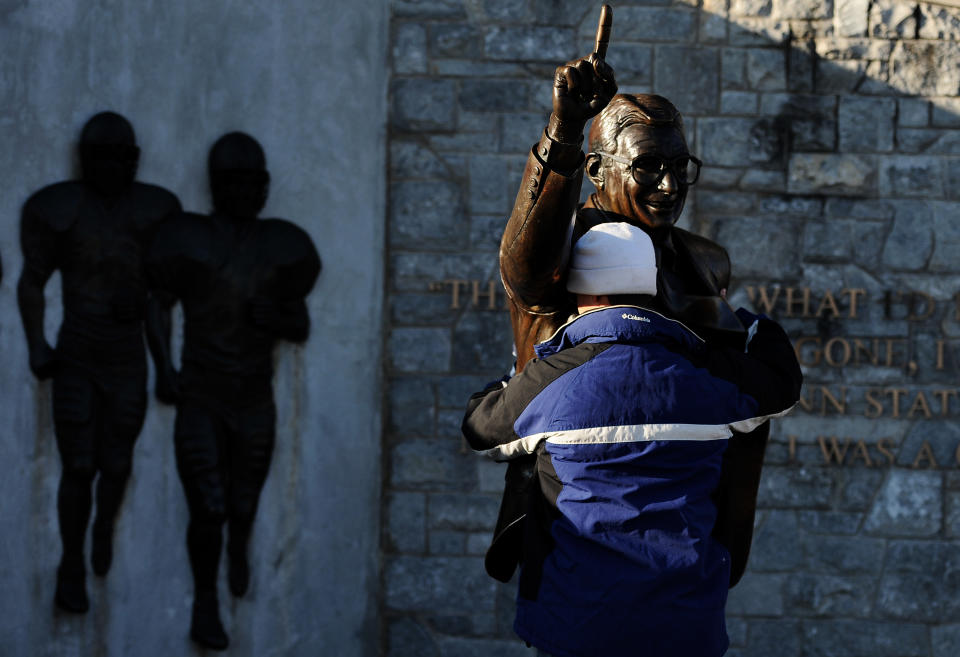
[107, 128]
[236, 151]
[625, 110]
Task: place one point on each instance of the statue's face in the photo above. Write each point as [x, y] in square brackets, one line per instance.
[109, 168]
[239, 180]
[656, 204]
[240, 193]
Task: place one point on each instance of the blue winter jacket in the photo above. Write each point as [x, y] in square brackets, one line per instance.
[629, 413]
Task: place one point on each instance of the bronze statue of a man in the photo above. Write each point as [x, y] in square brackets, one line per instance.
[642, 169]
[242, 282]
[96, 232]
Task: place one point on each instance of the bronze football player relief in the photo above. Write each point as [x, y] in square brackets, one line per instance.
[242, 283]
[127, 253]
[96, 232]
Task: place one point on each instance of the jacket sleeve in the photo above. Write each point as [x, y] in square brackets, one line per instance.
[489, 424]
[767, 369]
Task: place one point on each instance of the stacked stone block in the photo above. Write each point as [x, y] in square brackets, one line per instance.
[831, 137]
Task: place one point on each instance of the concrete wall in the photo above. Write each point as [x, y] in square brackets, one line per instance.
[831, 133]
[308, 79]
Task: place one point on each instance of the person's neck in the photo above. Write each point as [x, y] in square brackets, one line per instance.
[588, 302]
[586, 309]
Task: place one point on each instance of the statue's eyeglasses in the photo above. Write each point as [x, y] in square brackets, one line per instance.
[120, 152]
[649, 170]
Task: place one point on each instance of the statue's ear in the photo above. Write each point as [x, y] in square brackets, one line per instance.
[594, 168]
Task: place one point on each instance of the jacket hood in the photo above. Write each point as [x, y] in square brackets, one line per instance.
[626, 324]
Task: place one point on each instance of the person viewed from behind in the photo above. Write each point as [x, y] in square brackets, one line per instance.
[628, 413]
[641, 168]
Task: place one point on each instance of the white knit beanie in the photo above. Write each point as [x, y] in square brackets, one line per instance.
[613, 258]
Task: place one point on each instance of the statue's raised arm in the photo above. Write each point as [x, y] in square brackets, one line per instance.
[536, 241]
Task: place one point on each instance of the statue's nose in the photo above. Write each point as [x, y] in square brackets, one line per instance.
[669, 182]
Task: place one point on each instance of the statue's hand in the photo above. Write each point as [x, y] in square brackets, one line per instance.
[581, 89]
[43, 360]
[263, 312]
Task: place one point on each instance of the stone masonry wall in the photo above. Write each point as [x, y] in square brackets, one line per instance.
[831, 137]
